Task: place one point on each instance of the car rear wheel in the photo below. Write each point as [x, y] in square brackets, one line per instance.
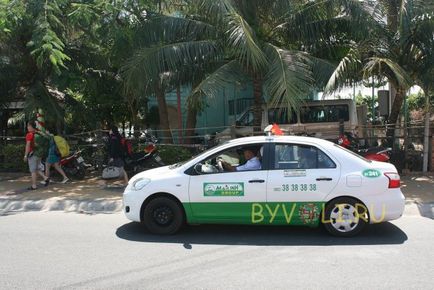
[345, 217]
[163, 216]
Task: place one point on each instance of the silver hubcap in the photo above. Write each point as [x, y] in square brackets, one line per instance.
[344, 218]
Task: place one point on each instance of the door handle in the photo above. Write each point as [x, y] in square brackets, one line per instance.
[256, 181]
[324, 179]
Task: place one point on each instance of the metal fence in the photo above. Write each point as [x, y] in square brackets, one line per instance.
[407, 145]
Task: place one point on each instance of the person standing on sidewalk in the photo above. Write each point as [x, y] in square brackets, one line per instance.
[117, 153]
[31, 157]
[53, 159]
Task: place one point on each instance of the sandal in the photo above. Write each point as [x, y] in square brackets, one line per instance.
[32, 188]
[46, 182]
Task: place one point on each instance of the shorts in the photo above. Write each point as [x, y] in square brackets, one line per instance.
[34, 162]
[53, 158]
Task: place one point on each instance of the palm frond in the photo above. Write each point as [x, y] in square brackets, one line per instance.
[149, 63]
[380, 67]
[244, 43]
[228, 73]
[216, 11]
[326, 20]
[169, 29]
[17, 118]
[345, 72]
[289, 79]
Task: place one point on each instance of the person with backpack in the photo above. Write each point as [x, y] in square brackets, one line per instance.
[53, 159]
[32, 155]
[116, 152]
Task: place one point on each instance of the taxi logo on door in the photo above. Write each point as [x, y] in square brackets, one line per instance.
[223, 189]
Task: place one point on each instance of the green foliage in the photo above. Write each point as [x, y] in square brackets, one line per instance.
[96, 62]
[47, 47]
[418, 101]
[12, 157]
[173, 154]
[367, 100]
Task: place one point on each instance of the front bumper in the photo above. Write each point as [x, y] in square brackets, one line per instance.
[132, 205]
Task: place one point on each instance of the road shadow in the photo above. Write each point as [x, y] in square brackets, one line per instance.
[376, 234]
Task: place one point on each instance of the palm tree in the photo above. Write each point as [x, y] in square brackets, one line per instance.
[398, 50]
[266, 43]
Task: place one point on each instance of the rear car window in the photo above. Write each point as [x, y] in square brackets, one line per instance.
[353, 153]
[294, 156]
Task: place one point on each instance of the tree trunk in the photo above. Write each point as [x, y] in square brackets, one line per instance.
[394, 114]
[190, 124]
[178, 97]
[426, 132]
[257, 106]
[162, 112]
[392, 10]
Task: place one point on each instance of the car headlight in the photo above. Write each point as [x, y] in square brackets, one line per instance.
[140, 183]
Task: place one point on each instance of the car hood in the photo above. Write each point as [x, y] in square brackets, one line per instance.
[153, 173]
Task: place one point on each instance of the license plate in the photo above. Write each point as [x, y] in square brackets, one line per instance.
[80, 159]
[158, 158]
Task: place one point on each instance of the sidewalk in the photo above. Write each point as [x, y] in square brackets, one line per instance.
[86, 196]
[418, 190]
[91, 196]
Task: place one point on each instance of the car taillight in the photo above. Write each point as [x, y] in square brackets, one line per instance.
[394, 179]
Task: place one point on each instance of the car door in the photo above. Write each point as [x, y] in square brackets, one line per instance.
[299, 179]
[226, 196]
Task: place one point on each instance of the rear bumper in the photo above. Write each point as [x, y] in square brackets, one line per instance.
[385, 207]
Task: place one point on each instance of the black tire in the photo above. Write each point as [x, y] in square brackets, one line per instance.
[163, 216]
[345, 217]
[81, 172]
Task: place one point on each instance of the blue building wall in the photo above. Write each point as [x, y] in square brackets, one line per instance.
[219, 112]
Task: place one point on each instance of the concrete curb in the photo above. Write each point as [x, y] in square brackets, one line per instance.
[67, 205]
[101, 205]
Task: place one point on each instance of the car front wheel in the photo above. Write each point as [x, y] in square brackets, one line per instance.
[163, 216]
[345, 217]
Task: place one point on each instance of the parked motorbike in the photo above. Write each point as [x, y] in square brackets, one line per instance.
[147, 159]
[73, 165]
[347, 140]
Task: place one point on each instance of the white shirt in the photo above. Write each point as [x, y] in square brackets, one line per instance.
[251, 164]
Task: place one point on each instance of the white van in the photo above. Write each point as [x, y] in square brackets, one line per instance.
[314, 118]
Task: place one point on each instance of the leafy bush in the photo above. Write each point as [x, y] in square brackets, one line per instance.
[12, 158]
[173, 154]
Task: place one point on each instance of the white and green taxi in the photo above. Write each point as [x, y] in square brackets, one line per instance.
[300, 181]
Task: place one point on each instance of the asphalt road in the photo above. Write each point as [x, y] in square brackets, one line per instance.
[45, 250]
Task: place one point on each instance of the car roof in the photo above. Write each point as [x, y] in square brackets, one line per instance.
[273, 138]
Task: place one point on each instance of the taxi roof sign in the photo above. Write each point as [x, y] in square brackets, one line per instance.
[273, 130]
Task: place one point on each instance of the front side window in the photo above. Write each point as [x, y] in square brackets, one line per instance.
[295, 156]
[235, 159]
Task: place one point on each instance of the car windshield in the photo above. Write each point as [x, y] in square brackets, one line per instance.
[176, 165]
[352, 153]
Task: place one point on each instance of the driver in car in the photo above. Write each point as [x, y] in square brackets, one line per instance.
[253, 163]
